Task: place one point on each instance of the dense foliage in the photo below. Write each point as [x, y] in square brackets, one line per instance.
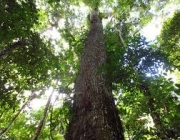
[146, 94]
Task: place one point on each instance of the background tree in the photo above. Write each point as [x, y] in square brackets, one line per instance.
[42, 43]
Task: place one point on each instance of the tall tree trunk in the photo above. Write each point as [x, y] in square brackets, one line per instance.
[95, 116]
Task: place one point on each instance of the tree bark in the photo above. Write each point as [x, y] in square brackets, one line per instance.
[95, 116]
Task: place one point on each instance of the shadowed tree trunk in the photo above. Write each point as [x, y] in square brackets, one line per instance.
[163, 133]
[95, 116]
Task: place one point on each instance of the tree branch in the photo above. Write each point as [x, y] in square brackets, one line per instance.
[19, 43]
[11, 47]
[120, 36]
[45, 30]
[17, 114]
[40, 125]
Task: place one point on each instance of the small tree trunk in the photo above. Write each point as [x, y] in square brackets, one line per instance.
[95, 116]
[162, 132]
[41, 123]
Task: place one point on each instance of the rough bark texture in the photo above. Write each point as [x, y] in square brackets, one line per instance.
[95, 116]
